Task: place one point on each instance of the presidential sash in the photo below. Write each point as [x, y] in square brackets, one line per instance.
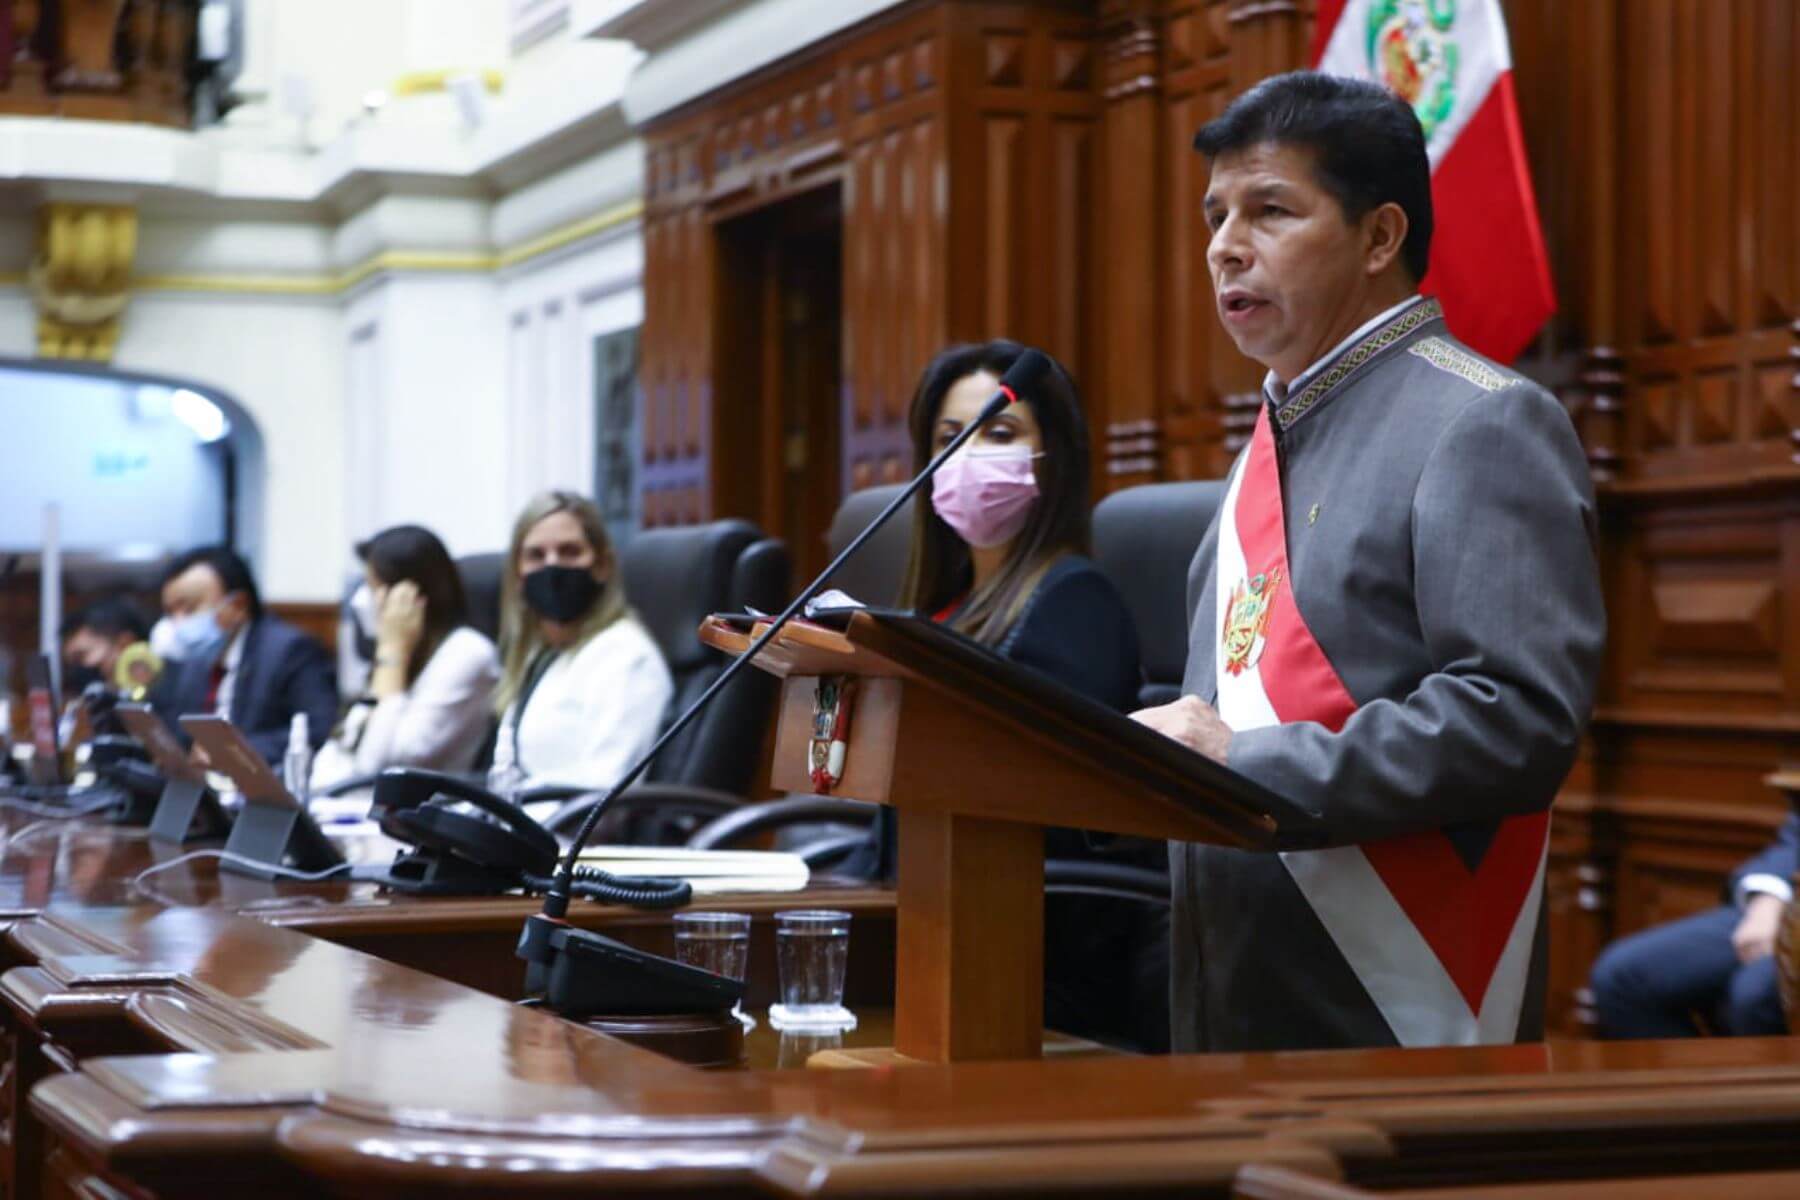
[1442, 944]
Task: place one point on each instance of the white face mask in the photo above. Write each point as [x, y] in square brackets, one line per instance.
[196, 636]
[363, 609]
[162, 638]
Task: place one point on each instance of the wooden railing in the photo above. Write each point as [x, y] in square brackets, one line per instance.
[109, 60]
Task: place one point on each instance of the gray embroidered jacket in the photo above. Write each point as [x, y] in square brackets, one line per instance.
[1440, 538]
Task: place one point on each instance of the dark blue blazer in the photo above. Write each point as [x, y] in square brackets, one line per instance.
[282, 672]
[1781, 858]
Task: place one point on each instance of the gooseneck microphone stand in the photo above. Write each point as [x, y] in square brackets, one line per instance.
[534, 942]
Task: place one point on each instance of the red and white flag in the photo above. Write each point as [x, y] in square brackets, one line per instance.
[1449, 59]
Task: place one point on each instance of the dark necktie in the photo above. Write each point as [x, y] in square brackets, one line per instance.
[212, 686]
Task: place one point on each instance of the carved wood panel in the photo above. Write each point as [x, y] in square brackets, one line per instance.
[1211, 389]
[1710, 176]
[1703, 615]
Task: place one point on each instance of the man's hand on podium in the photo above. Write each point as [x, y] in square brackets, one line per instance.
[1192, 722]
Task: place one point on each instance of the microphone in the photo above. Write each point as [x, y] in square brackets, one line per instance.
[536, 945]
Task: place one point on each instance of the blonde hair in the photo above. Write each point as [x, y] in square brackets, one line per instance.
[520, 635]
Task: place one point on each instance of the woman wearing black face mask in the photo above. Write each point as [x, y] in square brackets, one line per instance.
[583, 687]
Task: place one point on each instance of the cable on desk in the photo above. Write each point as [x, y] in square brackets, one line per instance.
[137, 880]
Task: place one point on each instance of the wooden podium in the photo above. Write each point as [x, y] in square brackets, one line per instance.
[979, 755]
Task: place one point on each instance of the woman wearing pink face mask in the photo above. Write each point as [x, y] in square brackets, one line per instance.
[999, 554]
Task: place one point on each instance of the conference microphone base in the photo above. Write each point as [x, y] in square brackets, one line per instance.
[579, 974]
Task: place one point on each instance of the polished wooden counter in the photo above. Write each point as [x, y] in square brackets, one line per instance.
[204, 1051]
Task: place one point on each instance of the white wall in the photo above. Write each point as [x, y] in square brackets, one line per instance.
[344, 49]
[423, 405]
[554, 307]
[282, 358]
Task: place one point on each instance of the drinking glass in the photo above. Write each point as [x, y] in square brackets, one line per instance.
[812, 947]
[718, 942]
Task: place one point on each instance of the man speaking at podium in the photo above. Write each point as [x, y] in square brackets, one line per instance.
[1396, 620]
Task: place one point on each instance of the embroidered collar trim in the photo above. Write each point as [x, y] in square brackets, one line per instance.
[1353, 359]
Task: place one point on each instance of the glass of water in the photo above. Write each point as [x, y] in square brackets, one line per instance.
[718, 942]
[812, 947]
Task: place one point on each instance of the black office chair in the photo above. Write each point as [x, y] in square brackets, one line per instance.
[1144, 539]
[481, 579]
[874, 574]
[818, 831]
[674, 578]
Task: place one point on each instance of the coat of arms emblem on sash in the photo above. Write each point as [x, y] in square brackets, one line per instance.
[1247, 621]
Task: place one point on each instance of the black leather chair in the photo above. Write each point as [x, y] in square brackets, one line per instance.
[873, 575]
[845, 824]
[1144, 539]
[674, 578]
[821, 829]
[481, 579]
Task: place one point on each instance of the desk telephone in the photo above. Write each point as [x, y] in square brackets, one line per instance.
[467, 840]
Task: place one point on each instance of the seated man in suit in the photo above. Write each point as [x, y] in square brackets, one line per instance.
[1717, 965]
[238, 662]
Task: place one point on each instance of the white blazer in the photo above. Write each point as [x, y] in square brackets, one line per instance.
[438, 722]
[594, 712]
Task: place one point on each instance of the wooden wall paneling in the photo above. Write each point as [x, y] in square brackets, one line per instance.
[897, 281]
[1564, 68]
[1210, 397]
[1673, 857]
[1711, 193]
[1133, 282]
[675, 370]
[863, 112]
[1701, 618]
[1585, 228]
[1024, 162]
[318, 620]
[1578, 900]
[1267, 37]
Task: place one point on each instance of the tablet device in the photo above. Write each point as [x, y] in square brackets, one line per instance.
[40, 699]
[273, 828]
[188, 809]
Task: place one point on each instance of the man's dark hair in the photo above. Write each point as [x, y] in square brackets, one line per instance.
[231, 569]
[109, 617]
[1367, 145]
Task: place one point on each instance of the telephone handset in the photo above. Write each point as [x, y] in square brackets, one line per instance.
[468, 841]
[490, 849]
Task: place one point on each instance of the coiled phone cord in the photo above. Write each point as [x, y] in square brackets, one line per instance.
[595, 884]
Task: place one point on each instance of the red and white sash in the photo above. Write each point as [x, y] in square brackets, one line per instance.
[1444, 951]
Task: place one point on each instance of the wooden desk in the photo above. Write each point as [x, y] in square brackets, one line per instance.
[260, 1056]
[67, 892]
[469, 940]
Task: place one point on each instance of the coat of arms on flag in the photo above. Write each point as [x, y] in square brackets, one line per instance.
[1450, 60]
[1247, 621]
[1411, 51]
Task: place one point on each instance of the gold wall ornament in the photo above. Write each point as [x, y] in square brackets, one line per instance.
[79, 278]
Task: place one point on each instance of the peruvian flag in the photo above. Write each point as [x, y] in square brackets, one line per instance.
[1450, 60]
